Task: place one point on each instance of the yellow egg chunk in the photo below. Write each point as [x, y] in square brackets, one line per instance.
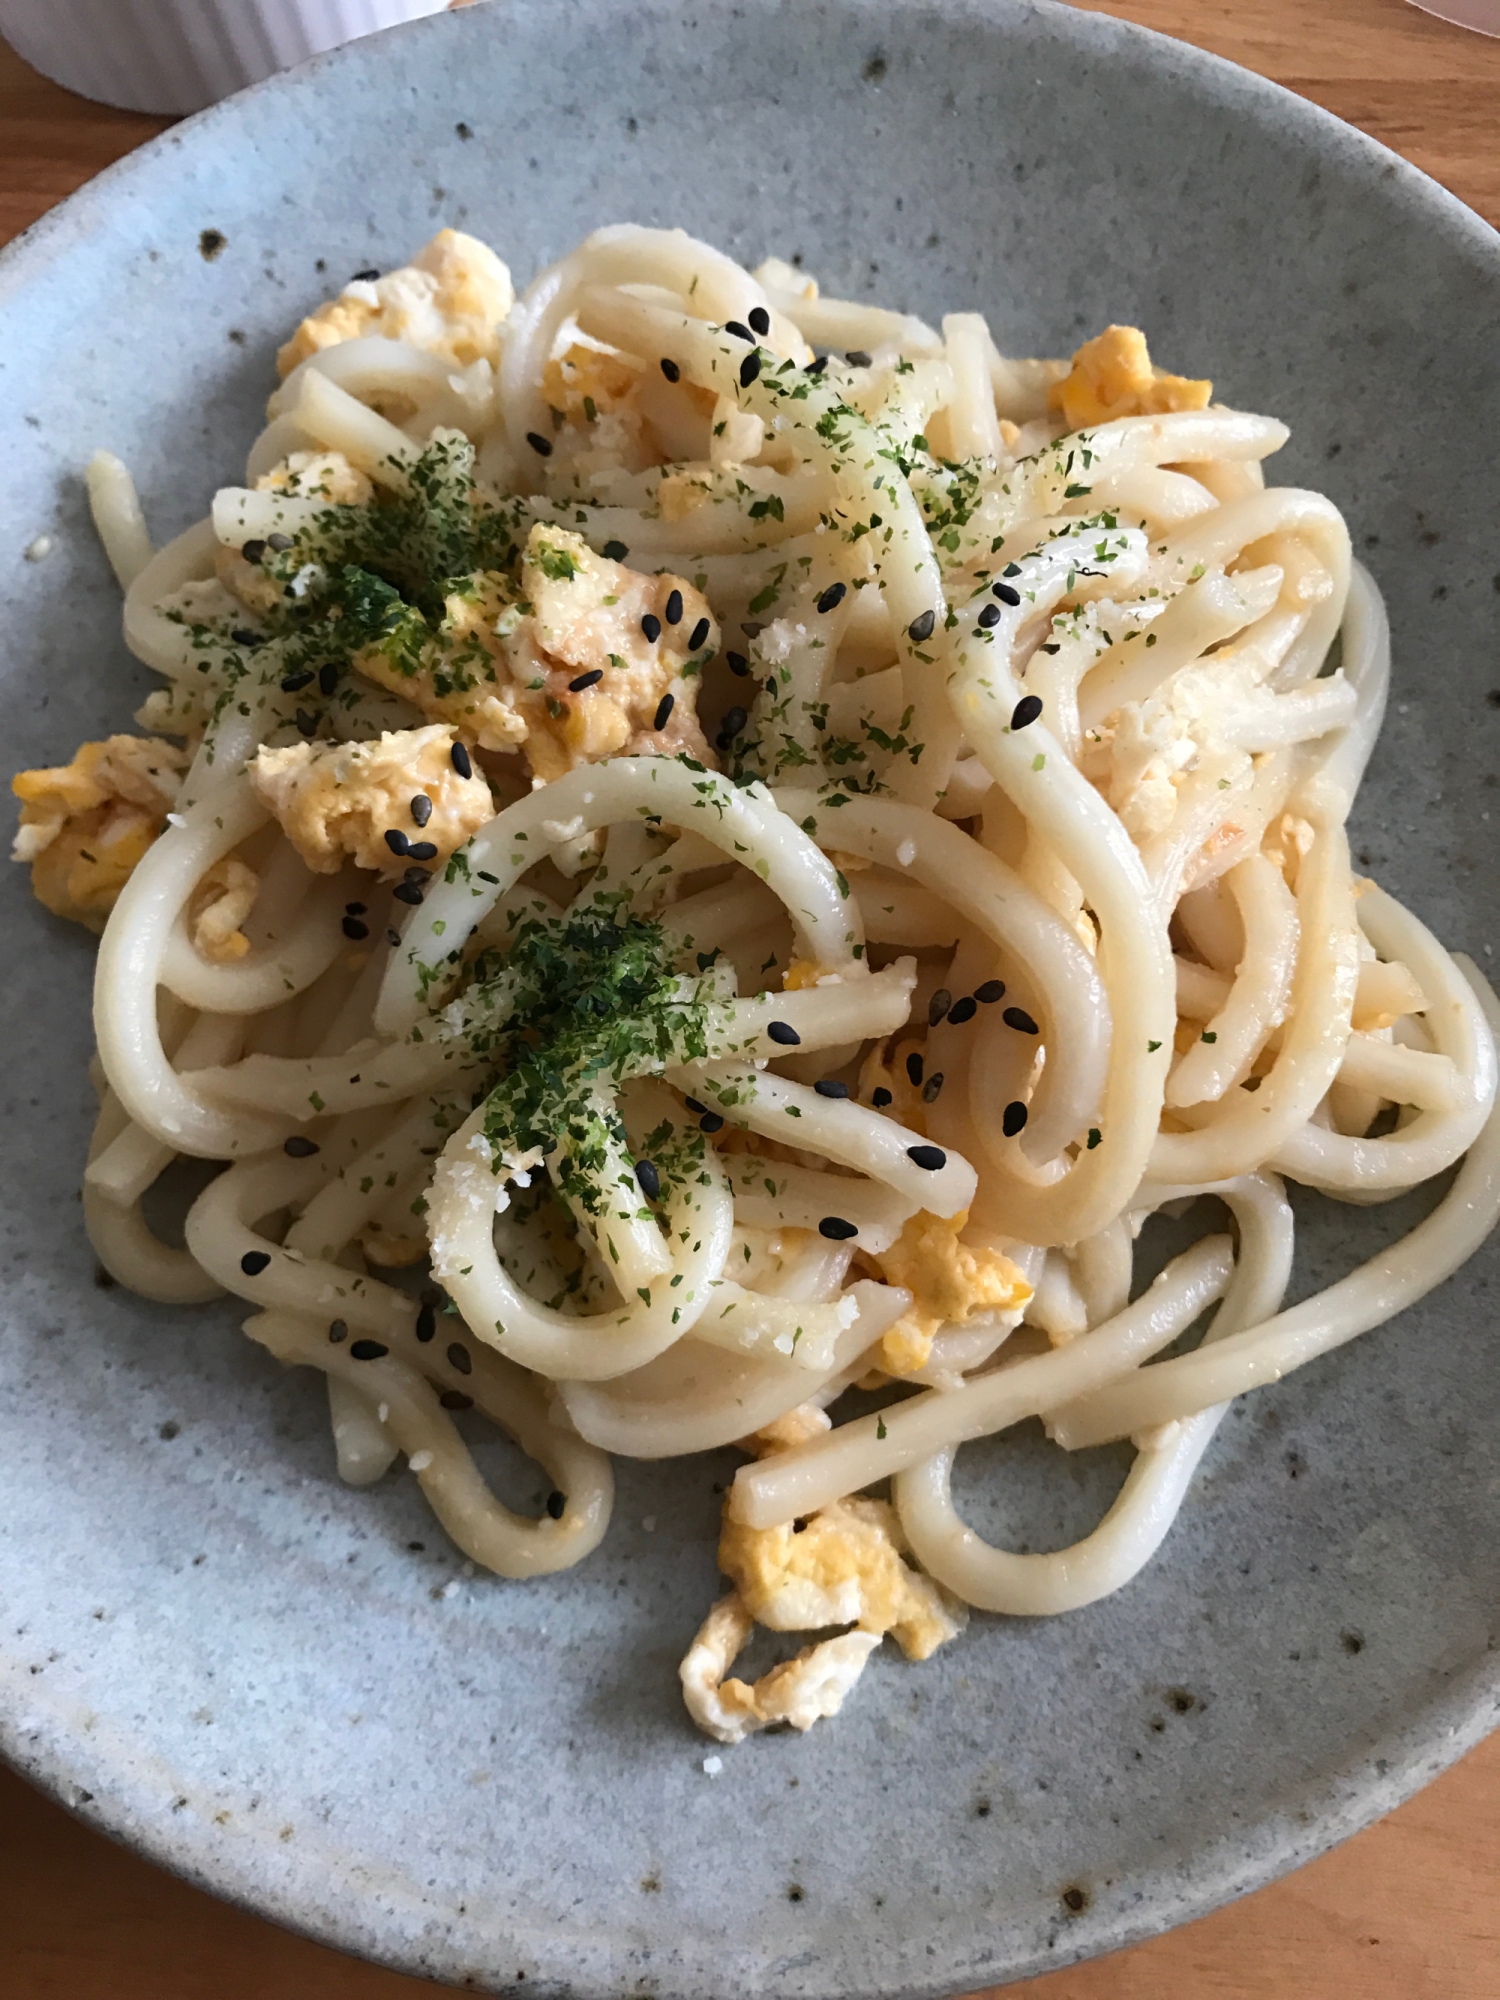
[337, 801]
[219, 906]
[1112, 377]
[450, 300]
[949, 1282]
[464, 678]
[590, 615]
[842, 1566]
[318, 475]
[85, 825]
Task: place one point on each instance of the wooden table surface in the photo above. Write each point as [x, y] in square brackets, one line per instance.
[1410, 1910]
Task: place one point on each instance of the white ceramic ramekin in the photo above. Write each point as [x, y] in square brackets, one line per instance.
[178, 55]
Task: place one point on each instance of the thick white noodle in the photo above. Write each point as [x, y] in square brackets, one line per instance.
[1138, 1520]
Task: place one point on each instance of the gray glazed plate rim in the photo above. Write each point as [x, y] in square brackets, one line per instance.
[1413, 1750]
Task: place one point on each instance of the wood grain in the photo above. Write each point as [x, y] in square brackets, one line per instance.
[1407, 1911]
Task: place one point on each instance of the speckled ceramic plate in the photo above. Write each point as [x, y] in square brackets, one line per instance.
[293, 1693]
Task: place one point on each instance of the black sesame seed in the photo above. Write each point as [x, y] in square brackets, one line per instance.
[328, 677]
[914, 1067]
[931, 1087]
[663, 713]
[364, 277]
[836, 1229]
[1005, 593]
[540, 445]
[988, 617]
[760, 319]
[830, 1087]
[308, 724]
[931, 1158]
[426, 1323]
[651, 626]
[393, 936]
[833, 596]
[615, 551]
[991, 991]
[396, 840]
[591, 679]
[785, 1033]
[817, 367]
[920, 628]
[880, 1097]
[1013, 1119]
[368, 1350]
[962, 1010]
[672, 612]
[353, 928]
[749, 369]
[243, 636]
[422, 850]
[254, 1262]
[738, 329]
[857, 358]
[711, 1122]
[649, 1179]
[254, 552]
[752, 627]
[938, 1006]
[354, 909]
[737, 663]
[461, 761]
[278, 542]
[670, 369]
[556, 1504]
[338, 1331]
[1020, 1020]
[295, 683]
[460, 1358]
[699, 635]
[421, 809]
[408, 892]
[1026, 711]
[694, 1106]
[299, 1148]
[415, 874]
[734, 721]
[455, 1399]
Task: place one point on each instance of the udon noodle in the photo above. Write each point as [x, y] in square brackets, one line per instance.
[747, 844]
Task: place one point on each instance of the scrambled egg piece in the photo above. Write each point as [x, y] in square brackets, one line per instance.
[949, 1282]
[219, 906]
[336, 800]
[464, 677]
[587, 616]
[85, 825]
[800, 1691]
[843, 1565]
[596, 393]
[504, 671]
[586, 383]
[1151, 745]
[1112, 377]
[449, 300]
[319, 475]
